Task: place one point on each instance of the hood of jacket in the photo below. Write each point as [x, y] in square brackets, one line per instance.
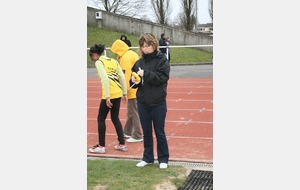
[123, 35]
[119, 47]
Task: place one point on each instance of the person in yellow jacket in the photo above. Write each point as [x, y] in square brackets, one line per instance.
[127, 59]
[113, 90]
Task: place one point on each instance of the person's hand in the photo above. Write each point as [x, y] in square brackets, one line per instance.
[140, 72]
[124, 99]
[133, 79]
[137, 77]
[108, 103]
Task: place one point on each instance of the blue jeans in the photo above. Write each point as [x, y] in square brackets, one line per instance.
[157, 115]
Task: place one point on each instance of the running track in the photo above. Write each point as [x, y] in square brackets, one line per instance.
[189, 122]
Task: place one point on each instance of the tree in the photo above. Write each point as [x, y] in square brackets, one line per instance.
[211, 9]
[161, 10]
[187, 17]
[123, 7]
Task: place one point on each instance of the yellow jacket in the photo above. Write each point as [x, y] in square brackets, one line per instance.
[112, 78]
[127, 59]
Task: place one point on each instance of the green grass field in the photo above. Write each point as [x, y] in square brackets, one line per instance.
[123, 174]
[97, 35]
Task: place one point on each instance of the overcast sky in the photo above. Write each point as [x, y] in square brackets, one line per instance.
[203, 14]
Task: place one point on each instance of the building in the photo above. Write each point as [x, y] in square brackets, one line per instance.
[205, 28]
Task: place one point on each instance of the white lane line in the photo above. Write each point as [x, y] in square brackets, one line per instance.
[171, 83]
[168, 121]
[189, 100]
[169, 109]
[202, 109]
[170, 136]
[168, 100]
[169, 92]
[187, 122]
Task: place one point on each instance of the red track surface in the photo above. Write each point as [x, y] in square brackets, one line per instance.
[189, 122]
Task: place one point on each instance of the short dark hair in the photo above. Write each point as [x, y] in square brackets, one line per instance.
[162, 35]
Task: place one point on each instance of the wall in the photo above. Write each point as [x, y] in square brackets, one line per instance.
[134, 26]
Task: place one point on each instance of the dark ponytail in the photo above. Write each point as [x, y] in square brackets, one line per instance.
[98, 49]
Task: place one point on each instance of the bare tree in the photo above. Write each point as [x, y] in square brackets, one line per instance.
[161, 10]
[187, 16]
[211, 9]
[122, 7]
[179, 20]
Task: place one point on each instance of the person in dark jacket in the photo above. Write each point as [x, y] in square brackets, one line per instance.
[124, 39]
[163, 42]
[153, 68]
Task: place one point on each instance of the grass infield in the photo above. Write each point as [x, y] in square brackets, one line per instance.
[97, 35]
[123, 174]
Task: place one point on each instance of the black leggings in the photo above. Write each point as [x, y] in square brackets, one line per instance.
[114, 114]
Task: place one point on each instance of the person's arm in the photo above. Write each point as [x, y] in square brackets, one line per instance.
[123, 83]
[103, 76]
[122, 80]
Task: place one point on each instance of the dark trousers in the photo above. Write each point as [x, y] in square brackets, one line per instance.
[157, 115]
[114, 114]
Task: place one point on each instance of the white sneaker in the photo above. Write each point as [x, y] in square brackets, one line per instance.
[163, 165]
[142, 164]
[134, 140]
[97, 149]
[120, 147]
[126, 136]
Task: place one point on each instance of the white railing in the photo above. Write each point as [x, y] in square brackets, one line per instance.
[166, 47]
